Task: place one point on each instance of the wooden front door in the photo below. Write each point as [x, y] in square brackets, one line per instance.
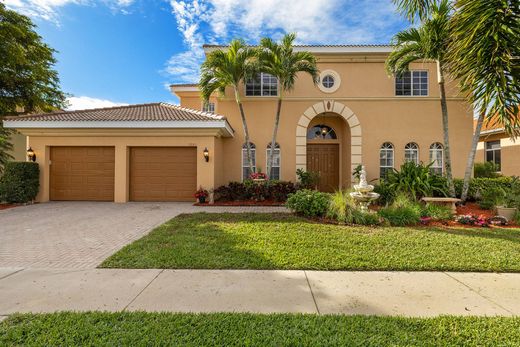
[324, 158]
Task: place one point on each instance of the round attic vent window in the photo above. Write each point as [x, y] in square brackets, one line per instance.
[329, 81]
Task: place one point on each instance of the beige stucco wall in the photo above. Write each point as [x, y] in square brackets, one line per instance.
[368, 92]
[122, 141]
[19, 142]
[510, 153]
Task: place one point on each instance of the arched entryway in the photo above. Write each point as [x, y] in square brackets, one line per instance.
[336, 153]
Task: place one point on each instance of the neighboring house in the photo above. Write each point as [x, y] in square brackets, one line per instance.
[497, 147]
[356, 115]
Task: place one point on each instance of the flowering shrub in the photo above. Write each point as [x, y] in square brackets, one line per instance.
[201, 193]
[258, 176]
[249, 190]
[471, 219]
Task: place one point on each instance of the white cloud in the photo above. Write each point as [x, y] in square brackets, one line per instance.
[314, 22]
[85, 102]
[49, 9]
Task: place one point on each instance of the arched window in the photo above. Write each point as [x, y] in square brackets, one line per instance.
[386, 159]
[321, 132]
[437, 158]
[275, 171]
[411, 152]
[246, 172]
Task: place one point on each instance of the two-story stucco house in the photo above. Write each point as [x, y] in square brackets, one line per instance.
[357, 114]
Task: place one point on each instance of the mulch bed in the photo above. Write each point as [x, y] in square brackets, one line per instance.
[242, 203]
[6, 206]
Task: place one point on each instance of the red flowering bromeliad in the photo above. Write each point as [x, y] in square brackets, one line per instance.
[258, 176]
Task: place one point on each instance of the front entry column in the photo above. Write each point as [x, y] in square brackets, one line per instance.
[121, 174]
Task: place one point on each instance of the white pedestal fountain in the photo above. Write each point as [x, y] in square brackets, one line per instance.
[364, 194]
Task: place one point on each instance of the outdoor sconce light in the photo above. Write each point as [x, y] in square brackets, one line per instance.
[324, 131]
[31, 155]
[206, 154]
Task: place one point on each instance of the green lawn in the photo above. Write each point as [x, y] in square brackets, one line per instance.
[282, 241]
[226, 329]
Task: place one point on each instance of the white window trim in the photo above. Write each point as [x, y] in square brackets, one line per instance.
[253, 152]
[415, 149]
[337, 81]
[414, 96]
[393, 157]
[432, 158]
[209, 102]
[262, 88]
[267, 160]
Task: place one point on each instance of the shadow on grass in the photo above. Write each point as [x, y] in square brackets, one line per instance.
[505, 234]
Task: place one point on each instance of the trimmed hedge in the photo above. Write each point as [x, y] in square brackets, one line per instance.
[249, 190]
[478, 185]
[20, 182]
[309, 203]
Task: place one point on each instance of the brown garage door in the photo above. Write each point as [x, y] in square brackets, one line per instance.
[82, 173]
[163, 173]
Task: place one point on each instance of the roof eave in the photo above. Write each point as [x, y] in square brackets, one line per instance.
[222, 124]
[382, 49]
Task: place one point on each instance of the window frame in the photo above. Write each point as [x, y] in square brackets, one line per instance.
[407, 149]
[261, 74]
[243, 154]
[437, 147]
[411, 84]
[208, 103]
[267, 152]
[386, 146]
[493, 151]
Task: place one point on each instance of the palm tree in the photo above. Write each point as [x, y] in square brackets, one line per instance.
[280, 60]
[413, 9]
[484, 56]
[428, 42]
[230, 68]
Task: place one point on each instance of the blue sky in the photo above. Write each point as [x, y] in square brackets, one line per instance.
[128, 51]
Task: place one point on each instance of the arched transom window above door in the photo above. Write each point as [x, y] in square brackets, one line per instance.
[321, 132]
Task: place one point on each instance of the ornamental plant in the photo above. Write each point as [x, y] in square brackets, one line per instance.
[258, 176]
[472, 219]
[201, 193]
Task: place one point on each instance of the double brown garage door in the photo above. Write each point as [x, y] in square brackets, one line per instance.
[156, 173]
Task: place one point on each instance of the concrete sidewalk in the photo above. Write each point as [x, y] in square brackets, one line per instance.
[372, 293]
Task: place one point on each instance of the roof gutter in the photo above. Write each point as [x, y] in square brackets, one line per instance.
[214, 124]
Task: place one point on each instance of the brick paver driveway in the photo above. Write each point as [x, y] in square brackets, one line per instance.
[82, 234]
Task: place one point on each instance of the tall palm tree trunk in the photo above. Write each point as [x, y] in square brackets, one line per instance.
[273, 141]
[246, 131]
[445, 130]
[471, 157]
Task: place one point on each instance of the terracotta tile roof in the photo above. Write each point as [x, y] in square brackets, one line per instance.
[491, 125]
[141, 112]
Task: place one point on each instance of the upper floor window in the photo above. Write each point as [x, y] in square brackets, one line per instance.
[411, 152]
[208, 107]
[412, 83]
[493, 154]
[262, 84]
[437, 158]
[322, 132]
[275, 170]
[246, 172]
[386, 159]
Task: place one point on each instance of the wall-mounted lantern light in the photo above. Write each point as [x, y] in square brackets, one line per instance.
[206, 154]
[31, 155]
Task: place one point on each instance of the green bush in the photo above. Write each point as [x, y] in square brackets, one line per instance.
[386, 194]
[487, 169]
[307, 179]
[492, 197]
[366, 218]
[20, 182]
[402, 212]
[478, 185]
[417, 180]
[516, 218]
[309, 203]
[340, 207]
[437, 212]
